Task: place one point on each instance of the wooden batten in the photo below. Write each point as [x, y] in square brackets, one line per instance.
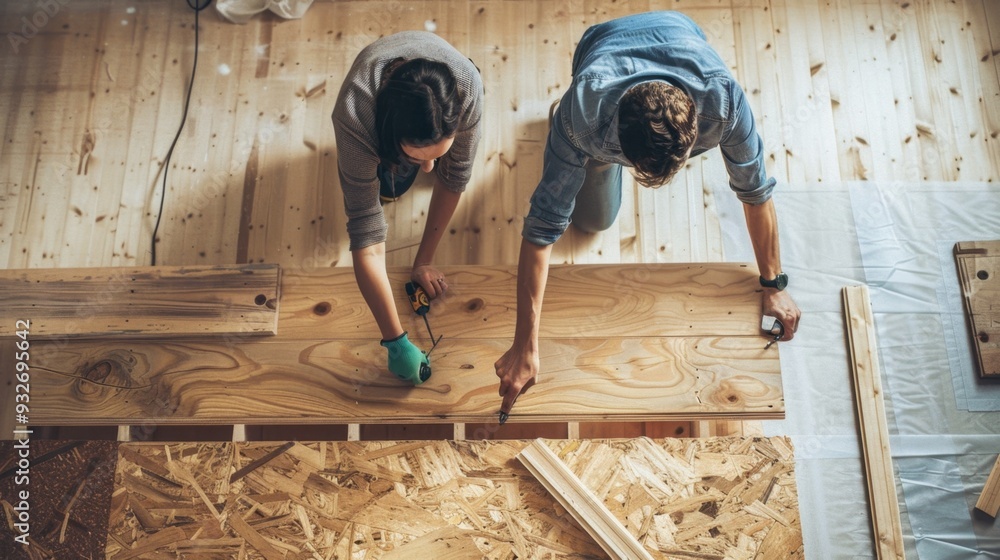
[149, 302]
[978, 264]
[989, 500]
[874, 429]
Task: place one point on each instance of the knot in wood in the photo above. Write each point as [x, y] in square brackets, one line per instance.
[322, 308]
[984, 337]
[474, 305]
[261, 299]
[982, 275]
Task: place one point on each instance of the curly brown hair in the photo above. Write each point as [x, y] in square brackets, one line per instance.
[656, 129]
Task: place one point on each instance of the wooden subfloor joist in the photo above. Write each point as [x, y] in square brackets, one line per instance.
[146, 302]
[978, 264]
[867, 378]
[588, 511]
[642, 343]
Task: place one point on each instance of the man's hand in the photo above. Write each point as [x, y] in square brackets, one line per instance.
[779, 304]
[517, 370]
[430, 279]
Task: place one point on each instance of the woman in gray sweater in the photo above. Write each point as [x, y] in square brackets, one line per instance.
[409, 103]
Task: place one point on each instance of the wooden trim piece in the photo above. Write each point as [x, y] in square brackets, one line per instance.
[989, 500]
[589, 512]
[978, 266]
[867, 378]
[143, 302]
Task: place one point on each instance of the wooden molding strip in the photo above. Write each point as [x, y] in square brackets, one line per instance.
[143, 302]
[989, 500]
[589, 512]
[867, 377]
[978, 265]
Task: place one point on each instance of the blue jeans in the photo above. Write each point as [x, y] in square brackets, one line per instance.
[600, 198]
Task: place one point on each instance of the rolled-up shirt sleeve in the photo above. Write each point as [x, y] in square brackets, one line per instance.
[357, 167]
[743, 152]
[555, 197]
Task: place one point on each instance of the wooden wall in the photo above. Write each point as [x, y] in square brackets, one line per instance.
[92, 95]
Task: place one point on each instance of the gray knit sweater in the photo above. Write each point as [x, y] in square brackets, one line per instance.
[357, 143]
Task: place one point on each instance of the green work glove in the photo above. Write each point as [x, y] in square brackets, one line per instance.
[406, 361]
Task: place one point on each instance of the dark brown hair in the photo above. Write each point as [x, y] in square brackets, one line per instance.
[656, 128]
[418, 104]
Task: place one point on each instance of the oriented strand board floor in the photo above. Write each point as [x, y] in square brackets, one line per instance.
[710, 498]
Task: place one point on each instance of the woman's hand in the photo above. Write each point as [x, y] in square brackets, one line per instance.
[430, 279]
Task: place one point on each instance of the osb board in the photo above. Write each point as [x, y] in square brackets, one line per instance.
[139, 302]
[708, 498]
[69, 485]
[978, 264]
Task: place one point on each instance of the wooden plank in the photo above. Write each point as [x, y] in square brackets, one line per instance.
[874, 429]
[344, 381]
[978, 265]
[989, 500]
[590, 513]
[140, 302]
[581, 301]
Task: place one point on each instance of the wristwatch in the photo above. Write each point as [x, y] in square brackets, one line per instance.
[780, 282]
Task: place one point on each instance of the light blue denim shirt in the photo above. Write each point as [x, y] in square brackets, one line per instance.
[611, 58]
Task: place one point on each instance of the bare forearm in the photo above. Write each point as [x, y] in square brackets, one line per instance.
[369, 271]
[762, 224]
[439, 213]
[532, 275]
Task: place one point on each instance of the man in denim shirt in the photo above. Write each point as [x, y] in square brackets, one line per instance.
[648, 91]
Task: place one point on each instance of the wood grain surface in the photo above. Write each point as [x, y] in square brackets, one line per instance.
[581, 301]
[140, 302]
[681, 498]
[978, 264]
[317, 381]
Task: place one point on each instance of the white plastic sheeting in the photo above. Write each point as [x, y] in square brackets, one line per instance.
[943, 421]
[240, 11]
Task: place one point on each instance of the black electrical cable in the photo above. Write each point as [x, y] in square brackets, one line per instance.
[197, 6]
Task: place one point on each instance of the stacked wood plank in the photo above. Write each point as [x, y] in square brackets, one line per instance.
[719, 497]
[978, 264]
[626, 342]
[139, 302]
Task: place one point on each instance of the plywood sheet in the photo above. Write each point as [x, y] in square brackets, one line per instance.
[140, 302]
[581, 301]
[978, 264]
[626, 342]
[716, 497]
[339, 381]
